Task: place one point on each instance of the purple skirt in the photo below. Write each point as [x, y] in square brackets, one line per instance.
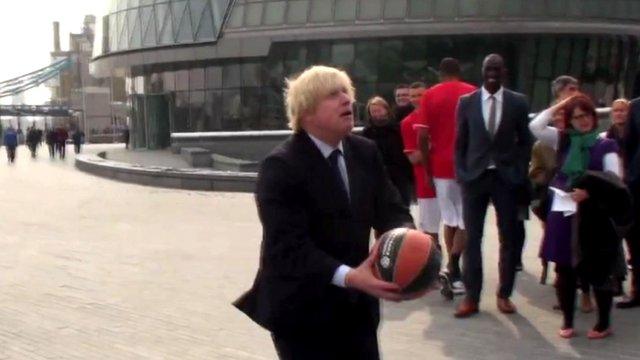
[556, 246]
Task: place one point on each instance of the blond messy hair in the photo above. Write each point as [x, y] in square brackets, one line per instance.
[303, 92]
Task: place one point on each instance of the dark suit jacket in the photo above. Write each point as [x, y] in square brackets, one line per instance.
[510, 148]
[632, 146]
[310, 228]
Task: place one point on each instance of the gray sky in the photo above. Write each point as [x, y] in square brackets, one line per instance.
[26, 34]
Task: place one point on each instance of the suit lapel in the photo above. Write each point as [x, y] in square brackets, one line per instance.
[355, 174]
[480, 116]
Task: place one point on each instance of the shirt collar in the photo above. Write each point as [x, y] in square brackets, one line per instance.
[497, 95]
[325, 148]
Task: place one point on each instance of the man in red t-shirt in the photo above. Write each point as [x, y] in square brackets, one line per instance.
[428, 209]
[437, 113]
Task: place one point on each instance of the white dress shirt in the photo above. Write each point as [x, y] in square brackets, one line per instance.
[326, 150]
[486, 109]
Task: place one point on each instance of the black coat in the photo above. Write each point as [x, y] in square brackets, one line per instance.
[310, 227]
[602, 222]
[389, 142]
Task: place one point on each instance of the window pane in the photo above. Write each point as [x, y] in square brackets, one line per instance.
[390, 63]
[445, 8]
[185, 31]
[297, 12]
[251, 108]
[274, 13]
[196, 111]
[321, 10]
[169, 81]
[469, 7]
[214, 77]
[366, 61]
[205, 29]
[345, 10]
[254, 14]
[343, 55]
[395, 9]
[196, 79]
[181, 111]
[419, 9]
[235, 20]
[370, 10]
[182, 80]
[213, 110]
[231, 107]
[251, 75]
[231, 76]
[272, 112]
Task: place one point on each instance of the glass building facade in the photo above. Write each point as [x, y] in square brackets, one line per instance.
[223, 66]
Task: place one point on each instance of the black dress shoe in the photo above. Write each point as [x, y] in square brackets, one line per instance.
[519, 267]
[628, 304]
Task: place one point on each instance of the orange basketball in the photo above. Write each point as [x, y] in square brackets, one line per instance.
[408, 258]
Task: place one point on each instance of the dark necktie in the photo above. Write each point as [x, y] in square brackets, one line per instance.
[491, 126]
[335, 169]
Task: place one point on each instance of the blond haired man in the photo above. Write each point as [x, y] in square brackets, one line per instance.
[318, 196]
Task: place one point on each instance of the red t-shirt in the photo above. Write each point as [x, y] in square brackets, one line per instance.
[438, 112]
[410, 141]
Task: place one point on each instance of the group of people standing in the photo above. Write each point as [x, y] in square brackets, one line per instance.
[321, 192]
[470, 147]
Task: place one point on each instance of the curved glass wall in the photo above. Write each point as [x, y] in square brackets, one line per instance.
[250, 14]
[137, 24]
[246, 94]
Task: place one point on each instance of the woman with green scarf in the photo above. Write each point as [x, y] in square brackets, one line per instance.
[579, 150]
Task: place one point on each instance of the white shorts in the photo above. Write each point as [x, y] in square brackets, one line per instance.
[429, 213]
[449, 197]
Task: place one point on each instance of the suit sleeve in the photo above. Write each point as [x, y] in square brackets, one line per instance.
[525, 139]
[287, 248]
[389, 212]
[462, 134]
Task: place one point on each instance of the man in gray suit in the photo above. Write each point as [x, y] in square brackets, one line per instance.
[493, 147]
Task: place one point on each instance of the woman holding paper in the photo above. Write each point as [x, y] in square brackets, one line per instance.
[570, 241]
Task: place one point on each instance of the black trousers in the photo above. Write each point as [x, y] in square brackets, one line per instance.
[329, 344]
[476, 196]
[566, 293]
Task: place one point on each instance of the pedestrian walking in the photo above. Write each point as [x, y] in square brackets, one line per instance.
[11, 143]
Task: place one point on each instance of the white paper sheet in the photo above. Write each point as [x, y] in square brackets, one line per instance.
[563, 202]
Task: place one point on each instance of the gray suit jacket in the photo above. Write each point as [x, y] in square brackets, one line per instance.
[510, 148]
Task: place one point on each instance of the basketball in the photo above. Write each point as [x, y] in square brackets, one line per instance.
[408, 258]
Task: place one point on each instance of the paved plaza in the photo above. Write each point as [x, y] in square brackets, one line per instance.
[92, 268]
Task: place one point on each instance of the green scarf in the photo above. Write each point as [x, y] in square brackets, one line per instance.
[578, 157]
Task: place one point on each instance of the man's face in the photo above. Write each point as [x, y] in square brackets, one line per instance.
[402, 97]
[332, 119]
[568, 91]
[415, 95]
[493, 72]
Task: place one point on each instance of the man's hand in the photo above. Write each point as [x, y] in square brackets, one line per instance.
[362, 278]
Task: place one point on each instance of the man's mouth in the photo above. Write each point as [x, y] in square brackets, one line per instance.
[346, 113]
